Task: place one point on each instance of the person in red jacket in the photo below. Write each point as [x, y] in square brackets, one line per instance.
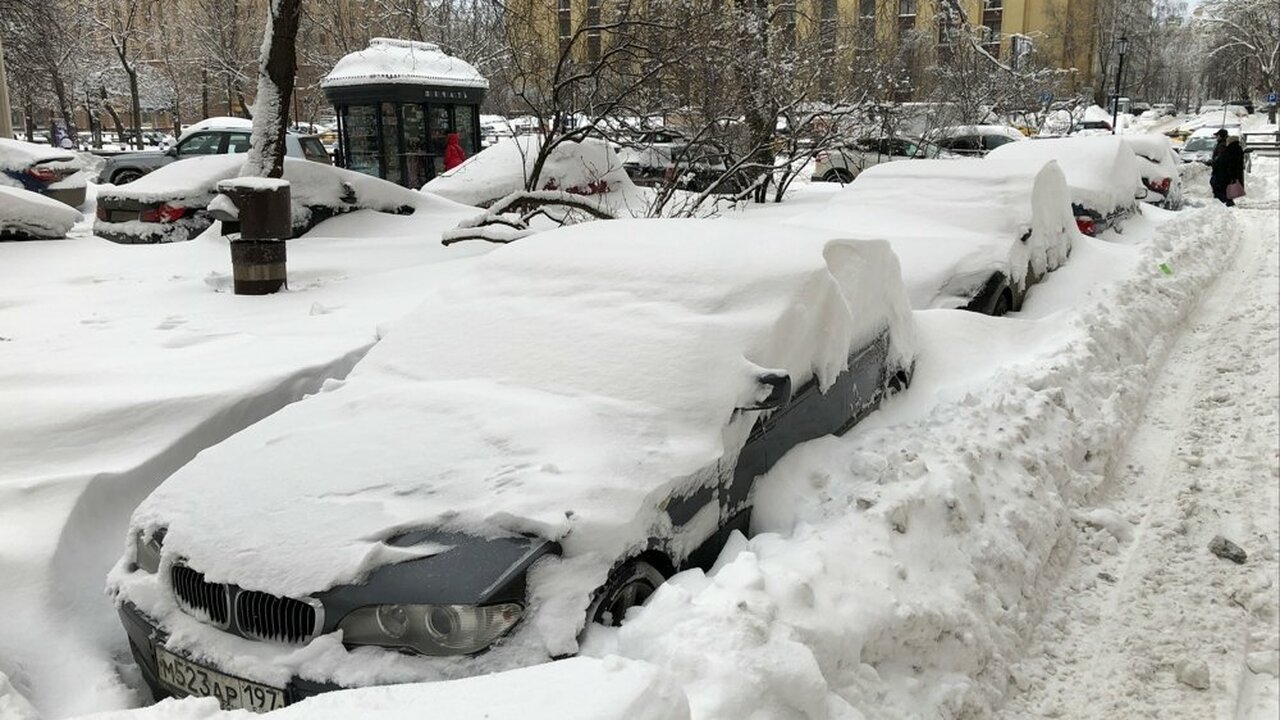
[453, 152]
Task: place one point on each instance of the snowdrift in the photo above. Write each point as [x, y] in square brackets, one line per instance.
[1101, 170]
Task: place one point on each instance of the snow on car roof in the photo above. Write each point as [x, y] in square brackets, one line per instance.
[562, 385]
[388, 60]
[22, 211]
[19, 155]
[503, 169]
[193, 182]
[956, 130]
[956, 220]
[216, 123]
[1102, 172]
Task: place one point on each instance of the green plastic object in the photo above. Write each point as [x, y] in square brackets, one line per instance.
[1164, 268]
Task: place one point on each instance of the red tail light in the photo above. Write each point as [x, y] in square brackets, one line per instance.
[44, 174]
[164, 214]
[102, 213]
[822, 156]
[1161, 186]
[1087, 225]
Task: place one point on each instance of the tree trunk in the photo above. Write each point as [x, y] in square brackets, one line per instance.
[204, 94]
[115, 117]
[276, 70]
[64, 103]
[135, 102]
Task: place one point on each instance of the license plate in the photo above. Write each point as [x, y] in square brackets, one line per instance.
[188, 678]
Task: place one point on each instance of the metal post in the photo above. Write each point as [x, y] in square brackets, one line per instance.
[1115, 98]
[6, 112]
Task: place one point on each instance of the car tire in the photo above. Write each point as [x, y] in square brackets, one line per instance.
[839, 175]
[124, 177]
[628, 586]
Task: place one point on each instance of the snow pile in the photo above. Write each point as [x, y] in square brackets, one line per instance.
[901, 570]
[590, 167]
[1101, 171]
[20, 155]
[388, 60]
[23, 212]
[967, 220]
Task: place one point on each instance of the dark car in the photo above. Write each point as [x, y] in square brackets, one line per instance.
[593, 423]
[43, 170]
[212, 140]
[171, 204]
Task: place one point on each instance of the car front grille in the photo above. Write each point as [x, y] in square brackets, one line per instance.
[267, 617]
[257, 615]
[204, 600]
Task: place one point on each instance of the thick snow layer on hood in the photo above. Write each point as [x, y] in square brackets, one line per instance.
[19, 155]
[954, 222]
[1101, 170]
[387, 60]
[563, 386]
[1156, 150]
[25, 212]
[590, 167]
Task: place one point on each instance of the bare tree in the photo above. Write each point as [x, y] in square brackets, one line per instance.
[276, 69]
[1244, 35]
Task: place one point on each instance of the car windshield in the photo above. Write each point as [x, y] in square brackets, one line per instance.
[923, 149]
[1200, 143]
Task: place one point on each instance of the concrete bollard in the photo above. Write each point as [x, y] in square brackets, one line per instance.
[264, 214]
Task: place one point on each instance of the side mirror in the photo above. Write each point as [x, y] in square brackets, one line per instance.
[172, 152]
[779, 385]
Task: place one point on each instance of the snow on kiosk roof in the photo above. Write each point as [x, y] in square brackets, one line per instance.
[388, 60]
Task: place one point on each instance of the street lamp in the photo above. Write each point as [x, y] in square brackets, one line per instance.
[1115, 97]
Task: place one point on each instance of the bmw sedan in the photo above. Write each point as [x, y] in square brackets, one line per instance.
[564, 424]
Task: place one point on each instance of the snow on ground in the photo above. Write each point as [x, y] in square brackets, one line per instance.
[941, 560]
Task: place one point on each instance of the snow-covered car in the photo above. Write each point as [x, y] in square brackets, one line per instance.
[1101, 170]
[846, 162]
[171, 204]
[590, 167]
[1200, 144]
[25, 215]
[557, 429]
[1091, 127]
[215, 136]
[1158, 166]
[974, 140]
[979, 232]
[660, 157]
[42, 169]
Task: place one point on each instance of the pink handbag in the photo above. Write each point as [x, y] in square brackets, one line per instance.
[1235, 190]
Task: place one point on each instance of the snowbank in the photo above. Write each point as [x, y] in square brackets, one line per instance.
[900, 571]
[25, 213]
[952, 223]
[1101, 171]
[574, 689]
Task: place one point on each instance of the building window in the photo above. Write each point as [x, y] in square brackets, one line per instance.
[827, 26]
[992, 17]
[866, 25]
[593, 30]
[948, 32]
[566, 24]
[906, 16]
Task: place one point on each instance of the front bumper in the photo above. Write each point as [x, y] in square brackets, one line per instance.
[144, 635]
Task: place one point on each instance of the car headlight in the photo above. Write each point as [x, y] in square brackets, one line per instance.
[147, 550]
[430, 629]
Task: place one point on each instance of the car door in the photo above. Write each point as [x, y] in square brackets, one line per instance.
[809, 414]
[201, 143]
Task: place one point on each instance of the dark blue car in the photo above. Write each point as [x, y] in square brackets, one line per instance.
[42, 169]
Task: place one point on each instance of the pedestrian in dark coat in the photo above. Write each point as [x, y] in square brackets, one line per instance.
[1228, 166]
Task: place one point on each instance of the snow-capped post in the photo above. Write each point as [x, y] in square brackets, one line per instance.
[258, 253]
[260, 197]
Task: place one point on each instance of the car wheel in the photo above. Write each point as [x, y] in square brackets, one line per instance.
[844, 177]
[125, 177]
[1004, 304]
[628, 586]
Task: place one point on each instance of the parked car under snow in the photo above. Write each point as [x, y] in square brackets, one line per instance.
[42, 169]
[567, 422]
[978, 234]
[1101, 170]
[1158, 167]
[171, 203]
[25, 215]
